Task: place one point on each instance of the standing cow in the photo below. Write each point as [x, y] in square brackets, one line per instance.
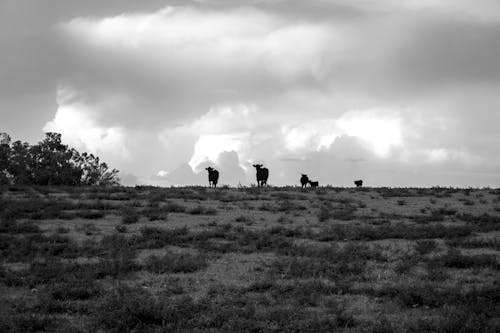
[213, 177]
[262, 174]
[304, 180]
[358, 183]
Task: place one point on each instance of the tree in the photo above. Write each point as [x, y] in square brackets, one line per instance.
[51, 163]
[96, 173]
[4, 158]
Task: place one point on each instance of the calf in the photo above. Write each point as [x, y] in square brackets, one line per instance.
[213, 177]
[314, 184]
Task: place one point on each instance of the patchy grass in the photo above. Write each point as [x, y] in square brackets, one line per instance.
[193, 259]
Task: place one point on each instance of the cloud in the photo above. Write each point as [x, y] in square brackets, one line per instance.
[80, 130]
[339, 89]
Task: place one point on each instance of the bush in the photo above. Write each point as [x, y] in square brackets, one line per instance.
[200, 210]
[121, 228]
[175, 263]
[76, 289]
[91, 215]
[454, 259]
[172, 207]
[129, 216]
[155, 214]
[243, 218]
[128, 309]
[423, 247]
[10, 226]
[156, 238]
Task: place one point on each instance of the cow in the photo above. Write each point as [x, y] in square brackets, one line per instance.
[213, 177]
[358, 183]
[313, 184]
[304, 180]
[262, 174]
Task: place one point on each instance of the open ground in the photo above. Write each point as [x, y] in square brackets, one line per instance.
[145, 259]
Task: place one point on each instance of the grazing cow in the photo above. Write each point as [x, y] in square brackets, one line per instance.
[213, 176]
[262, 174]
[313, 184]
[304, 180]
[358, 183]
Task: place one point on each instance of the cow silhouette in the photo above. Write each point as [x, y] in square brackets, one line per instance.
[213, 177]
[262, 174]
[313, 184]
[358, 183]
[304, 180]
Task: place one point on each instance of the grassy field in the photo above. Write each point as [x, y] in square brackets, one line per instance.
[249, 260]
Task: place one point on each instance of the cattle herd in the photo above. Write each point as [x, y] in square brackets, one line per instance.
[262, 175]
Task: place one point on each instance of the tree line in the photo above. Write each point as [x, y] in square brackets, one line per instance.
[49, 162]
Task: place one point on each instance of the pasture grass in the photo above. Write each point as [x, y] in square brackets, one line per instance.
[249, 259]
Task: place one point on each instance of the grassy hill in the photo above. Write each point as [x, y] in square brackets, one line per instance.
[77, 259]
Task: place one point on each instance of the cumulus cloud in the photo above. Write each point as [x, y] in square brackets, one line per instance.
[397, 92]
[74, 121]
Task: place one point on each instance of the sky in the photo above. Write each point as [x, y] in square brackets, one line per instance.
[394, 92]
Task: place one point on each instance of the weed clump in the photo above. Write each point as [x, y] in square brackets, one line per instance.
[129, 216]
[200, 210]
[175, 263]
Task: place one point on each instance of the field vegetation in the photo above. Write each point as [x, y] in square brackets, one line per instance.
[146, 259]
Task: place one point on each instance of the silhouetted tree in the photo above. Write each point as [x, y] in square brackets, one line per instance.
[20, 163]
[94, 172]
[51, 163]
[4, 158]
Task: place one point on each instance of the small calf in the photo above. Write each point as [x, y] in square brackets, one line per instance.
[358, 183]
[314, 184]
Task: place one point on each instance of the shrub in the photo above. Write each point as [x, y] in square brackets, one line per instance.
[87, 228]
[155, 214]
[175, 263]
[301, 267]
[129, 216]
[10, 226]
[423, 247]
[345, 212]
[121, 228]
[91, 215]
[453, 258]
[62, 230]
[172, 207]
[77, 289]
[324, 213]
[243, 218]
[156, 237]
[128, 309]
[200, 210]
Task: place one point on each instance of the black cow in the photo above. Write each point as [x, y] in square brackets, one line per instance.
[304, 180]
[213, 176]
[313, 184]
[358, 183]
[262, 174]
